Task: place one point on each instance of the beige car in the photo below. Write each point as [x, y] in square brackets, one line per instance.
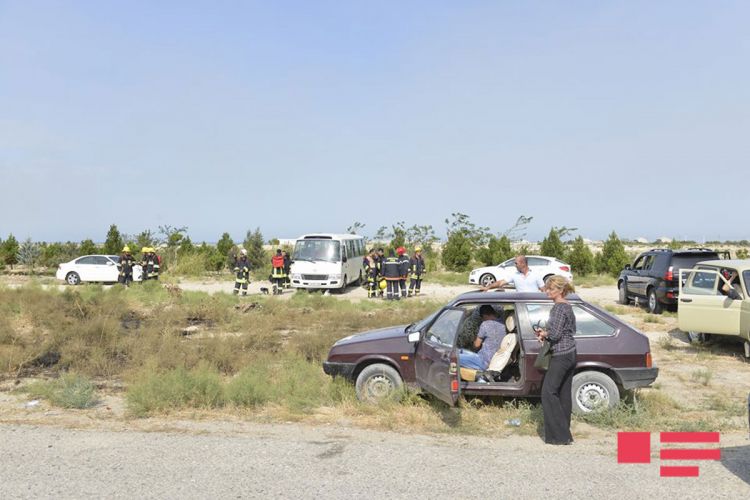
[714, 300]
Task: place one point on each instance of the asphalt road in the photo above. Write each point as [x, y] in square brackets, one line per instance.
[292, 461]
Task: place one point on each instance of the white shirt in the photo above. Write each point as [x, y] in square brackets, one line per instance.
[530, 282]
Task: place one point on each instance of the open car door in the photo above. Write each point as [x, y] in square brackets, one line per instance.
[436, 360]
[702, 308]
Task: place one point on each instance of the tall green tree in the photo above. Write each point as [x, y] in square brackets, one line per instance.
[464, 237]
[28, 254]
[613, 257]
[88, 247]
[186, 246]
[10, 251]
[256, 254]
[145, 239]
[552, 245]
[113, 244]
[580, 257]
[225, 245]
[497, 250]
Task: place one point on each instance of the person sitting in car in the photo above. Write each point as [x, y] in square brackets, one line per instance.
[731, 287]
[491, 333]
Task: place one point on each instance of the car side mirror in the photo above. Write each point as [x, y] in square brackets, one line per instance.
[413, 337]
[344, 259]
[627, 267]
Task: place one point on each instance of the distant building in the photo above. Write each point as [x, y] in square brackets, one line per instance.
[664, 239]
[641, 240]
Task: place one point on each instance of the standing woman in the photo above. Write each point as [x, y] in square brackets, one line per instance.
[556, 396]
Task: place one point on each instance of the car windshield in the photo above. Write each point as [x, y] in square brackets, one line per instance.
[312, 250]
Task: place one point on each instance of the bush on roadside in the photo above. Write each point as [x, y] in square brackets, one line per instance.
[613, 257]
[580, 258]
[69, 391]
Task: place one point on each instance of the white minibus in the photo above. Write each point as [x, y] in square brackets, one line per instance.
[327, 261]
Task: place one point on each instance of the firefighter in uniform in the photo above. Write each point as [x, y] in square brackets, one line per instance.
[392, 273]
[278, 272]
[156, 266]
[126, 267]
[287, 269]
[379, 261]
[150, 264]
[417, 269]
[242, 273]
[403, 261]
[372, 274]
[146, 263]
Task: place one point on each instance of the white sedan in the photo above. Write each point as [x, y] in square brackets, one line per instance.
[546, 266]
[94, 268]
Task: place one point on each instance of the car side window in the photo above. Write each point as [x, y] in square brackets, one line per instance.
[587, 324]
[100, 261]
[443, 330]
[638, 264]
[701, 282]
[648, 262]
[535, 261]
[746, 280]
[87, 260]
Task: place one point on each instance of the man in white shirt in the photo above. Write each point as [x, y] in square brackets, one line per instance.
[525, 280]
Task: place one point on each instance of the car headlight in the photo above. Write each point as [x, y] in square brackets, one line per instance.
[334, 276]
[296, 276]
[473, 273]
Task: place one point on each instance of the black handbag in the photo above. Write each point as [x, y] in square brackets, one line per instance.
[544, 356]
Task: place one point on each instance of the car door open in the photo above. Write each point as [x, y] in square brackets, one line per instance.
[702, 308]
[436, 360]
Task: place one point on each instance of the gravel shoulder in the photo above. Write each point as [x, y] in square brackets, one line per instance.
[251, 460]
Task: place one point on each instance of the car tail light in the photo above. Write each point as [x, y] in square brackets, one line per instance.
[453, 371]
[649, 361]
[565, 268]
[669, 275]
[454, 385]
[670, 295]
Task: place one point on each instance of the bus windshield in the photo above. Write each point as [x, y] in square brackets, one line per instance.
[312, 250]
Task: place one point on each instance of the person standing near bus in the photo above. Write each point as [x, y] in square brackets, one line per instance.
[242, 273]
[371, 274]
[392, 274]
[417, 269]
[403, 261]
[278, 275]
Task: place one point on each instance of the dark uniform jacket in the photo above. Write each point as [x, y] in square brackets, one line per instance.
[391, 268]
[403, 263]
[416, 265]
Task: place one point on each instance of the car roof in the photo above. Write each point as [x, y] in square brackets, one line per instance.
[509, 297]
[739, 264]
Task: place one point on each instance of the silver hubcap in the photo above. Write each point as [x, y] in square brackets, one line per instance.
[652, 301]
[592, 396]
[696, 337]
[379, 387]
[488, 280]
[71, 280]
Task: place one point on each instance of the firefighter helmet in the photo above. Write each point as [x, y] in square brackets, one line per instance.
[243, 252]
[382, 284]
[401, 250]
[417, 249]
[126, 249]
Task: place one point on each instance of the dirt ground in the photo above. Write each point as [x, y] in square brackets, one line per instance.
[708, 382]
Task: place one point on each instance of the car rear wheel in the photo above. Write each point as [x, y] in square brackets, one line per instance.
[654, 307]
[623, 294]
[593, 391]
[377, 383]
[72, 278]
[486, 279]
[699, 338]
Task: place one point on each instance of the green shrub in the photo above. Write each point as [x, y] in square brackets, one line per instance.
[580, 258]
[179, 388]
[69, 391]
[457, 252]
[552, 246]
[497, 250]
[613, 257]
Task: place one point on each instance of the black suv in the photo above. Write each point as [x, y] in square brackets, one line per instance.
[654, 274]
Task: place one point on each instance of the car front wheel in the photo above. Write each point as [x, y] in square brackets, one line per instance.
[623, 294]
[654, 307]
[593, 391]
[72, 279]
[486, 279]
[377, 383]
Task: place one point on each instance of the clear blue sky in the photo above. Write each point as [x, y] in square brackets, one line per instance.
[308, 115]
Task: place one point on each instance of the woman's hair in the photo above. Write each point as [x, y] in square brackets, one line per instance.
[560, 283]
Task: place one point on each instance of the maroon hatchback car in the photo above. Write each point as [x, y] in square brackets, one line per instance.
[612, 356]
